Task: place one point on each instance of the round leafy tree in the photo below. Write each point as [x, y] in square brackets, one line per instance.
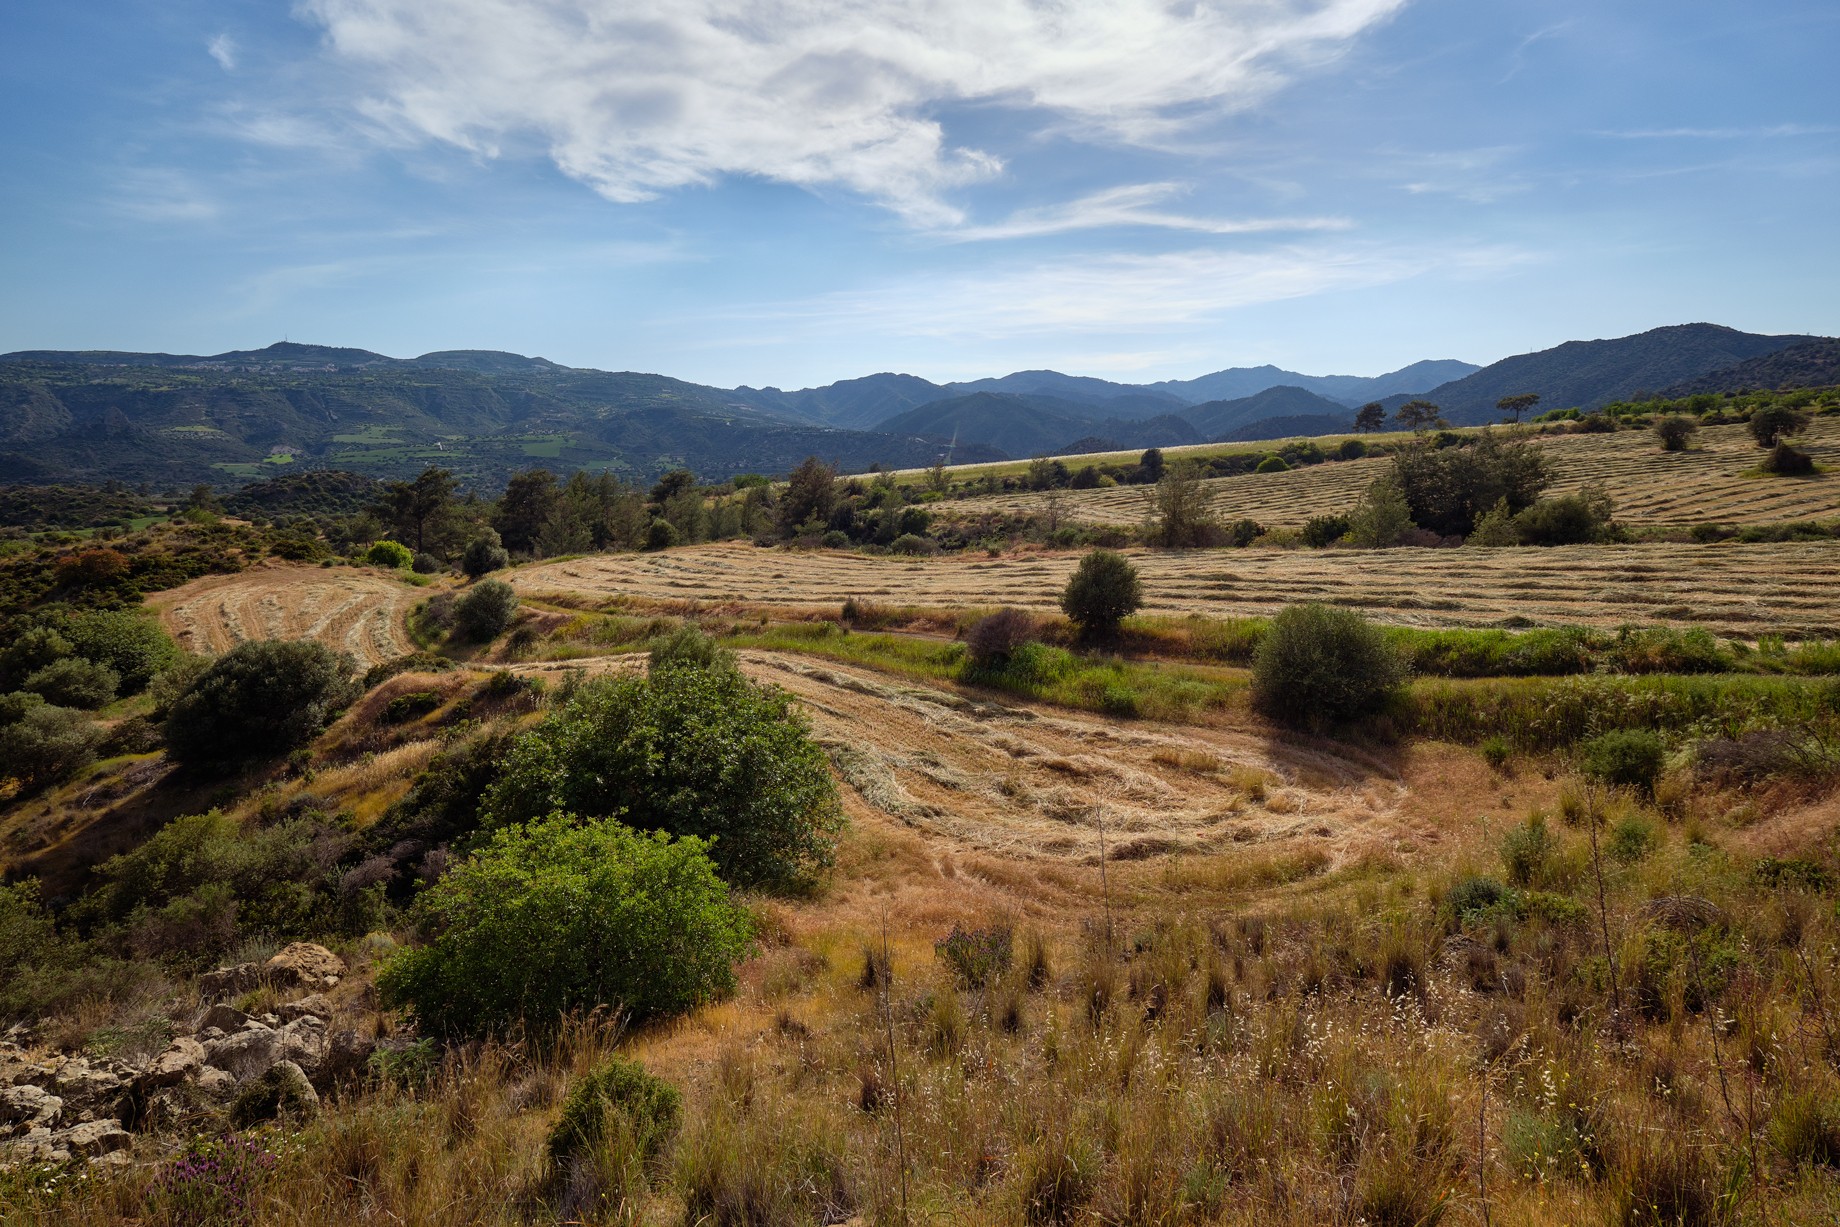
[485, 610]
[484, 554]
[1103, 592]
[688, 750]
[1320, 665]
[392, 554]
[258, 699]
[557, 916]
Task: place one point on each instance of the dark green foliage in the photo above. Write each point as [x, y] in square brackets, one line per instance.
[411, 706]
[1625, 758]
[30, 651]
[41, 744]
[1473, 895]
[1786, 461]
[810, 496]
[1351, 449]
[259, 699]
[558, 916]
[1771, 424]
[1103, 591]
[1321, 531]
[1150, 466]
[660, 535]
[1320, 665]
[1448, 489]
[1243, 532]
[425, 564]
[914, 543]
[622, 1096]
[443, 803]
[1272, 464]
[486, 610]
[392, 554]
[484, 555]
[74, 682]
[1675, 431]
[1569, 519]
[689, 751]
[977, 957]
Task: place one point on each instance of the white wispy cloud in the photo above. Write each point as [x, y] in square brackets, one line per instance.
[636, 97]
[1117, 294]
[1131, 205]
[161, 195]
[223, 49]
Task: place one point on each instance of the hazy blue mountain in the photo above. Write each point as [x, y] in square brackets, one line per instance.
[1035, 425]
[854, 404]
[1220, 419]
[1305, 425]
[1590, 374]
[1101, 392]
[1239, 382]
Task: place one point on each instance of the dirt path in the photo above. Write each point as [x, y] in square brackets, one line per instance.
[1038, 783]
[360, 612]
[1738, 590]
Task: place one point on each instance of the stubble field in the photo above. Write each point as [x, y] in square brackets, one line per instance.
[354, 611]
[1714, 481]
[1790, 589]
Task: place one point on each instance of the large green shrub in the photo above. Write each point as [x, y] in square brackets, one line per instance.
[126, 641]
[689, 751]
[1449, 488]
[485, 554]
[1569, 519]
[392, 554]
[1771, 424]
[1102, 593]
[260, 698]
[31, 650]
[41, 744]
[619, 1095]
[1625, 758]
[557, 916]
[1320, 665]
[74, 682]
[486, 610]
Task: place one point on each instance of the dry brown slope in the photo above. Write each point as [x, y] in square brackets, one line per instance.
[1739, 590]
[360, 612]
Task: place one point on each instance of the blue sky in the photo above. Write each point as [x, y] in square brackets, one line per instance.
[794, 191]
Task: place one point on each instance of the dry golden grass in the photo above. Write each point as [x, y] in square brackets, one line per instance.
[1717, 480]
[360, 612]
[1737, 590]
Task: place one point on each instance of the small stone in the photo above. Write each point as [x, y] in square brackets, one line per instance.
[225, 1018]
[27, 1107]
[230, 981]
[304, 965]
[315, 1006]
[215, 1082]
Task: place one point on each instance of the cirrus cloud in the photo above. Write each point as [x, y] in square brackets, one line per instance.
[637, 97]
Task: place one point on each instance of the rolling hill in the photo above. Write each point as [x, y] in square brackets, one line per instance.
[1591, 374]
[1223, 418]
[1812, 364]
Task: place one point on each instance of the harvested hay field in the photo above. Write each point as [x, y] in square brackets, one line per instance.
[1034, 783]
[1741, 591]
[360, 612]
[1716, 481]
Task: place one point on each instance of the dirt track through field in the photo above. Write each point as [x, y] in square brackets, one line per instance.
[1714, 481]
[1738, 590]
[359, 612]
[1038, 782]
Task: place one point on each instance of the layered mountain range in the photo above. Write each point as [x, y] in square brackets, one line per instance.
[173, 419]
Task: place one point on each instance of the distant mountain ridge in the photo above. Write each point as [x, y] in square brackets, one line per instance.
[179, 418]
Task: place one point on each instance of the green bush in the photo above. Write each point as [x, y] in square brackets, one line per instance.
[557, 916]
[31, 650]
[1786, 461]
[688, 645]
[622, 1096]
[410, 706]
[660, 535]
[1527, 850]
[392, 554]
[41, 744]
[1103, 591]
[1272, 464]
[486, 610]
[259, 699]
[1771, 424]
[913, 543]
[1320, 665]
[74, 682]
[1675, 431]
[1382, 517]
[1625, 758]
[688, 751]
[127, 641]
[484, 554]
[1322, 531]
[1570, 519]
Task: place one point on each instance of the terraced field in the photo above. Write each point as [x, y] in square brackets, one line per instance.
[360, 612]
[1740, 591]
[1039, 783]
[1717, 480]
